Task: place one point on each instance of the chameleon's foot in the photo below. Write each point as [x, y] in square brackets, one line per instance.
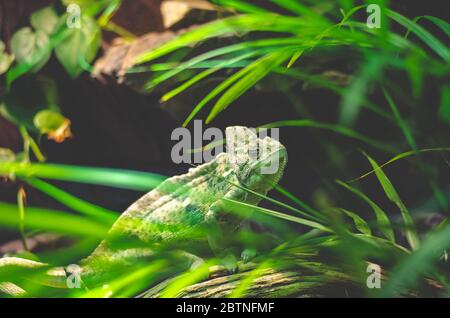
[248, 254]
[230, 263]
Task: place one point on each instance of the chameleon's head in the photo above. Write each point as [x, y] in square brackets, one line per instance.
[258, 163]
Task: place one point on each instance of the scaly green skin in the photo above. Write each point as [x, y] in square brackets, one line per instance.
[184, 204]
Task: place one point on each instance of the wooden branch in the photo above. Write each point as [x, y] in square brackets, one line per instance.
[271, 283]
[300, 282]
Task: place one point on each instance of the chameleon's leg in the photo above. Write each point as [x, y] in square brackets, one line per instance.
[217, 236]
[248, 254]
[226, 256]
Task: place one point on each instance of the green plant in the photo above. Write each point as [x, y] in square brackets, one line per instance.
[290, 37]
[324, 242]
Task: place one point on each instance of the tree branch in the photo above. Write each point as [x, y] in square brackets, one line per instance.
[271, 283]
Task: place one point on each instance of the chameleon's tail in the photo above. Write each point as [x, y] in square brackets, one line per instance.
[37, 272]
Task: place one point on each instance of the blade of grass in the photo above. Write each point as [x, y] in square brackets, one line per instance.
[246, 283]
[399, 157]
[51, 220]
[437, 46]
[240, 6]
[401, 123]
[407, 273]
[296, 200]
[216, 91]
[258, 46]
[297, 8]
[125, 179]
[439, 22]
[238, 207]
[86, 208]
[279, 203]
[21, 207]
[383, 223]
[320, 81]
[228, 26]
[187, 279]
[332, 127]
[355, 94]
[203, 75]
[29, 143]
[359, 222]
[256, 71]
[392, 195]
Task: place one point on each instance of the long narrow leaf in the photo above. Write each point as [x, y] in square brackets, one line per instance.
[384, 225]
[258, 70]
[332, 127]
[125, 179]
[51, 220]
[423, 34]
[392, 195]
[86, 208]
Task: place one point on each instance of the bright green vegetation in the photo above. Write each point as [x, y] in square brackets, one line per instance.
[303, 230]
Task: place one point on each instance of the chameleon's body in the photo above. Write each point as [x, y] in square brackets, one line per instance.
[181, 205]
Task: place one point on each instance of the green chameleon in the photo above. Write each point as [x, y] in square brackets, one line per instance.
[178, 209]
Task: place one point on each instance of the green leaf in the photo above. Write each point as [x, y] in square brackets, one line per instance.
[5, 59]
[79, 47]
[51, 220]
[383, 223]
[400, 121]
[297, 8]
[230, 26]
[45, 20]
[31, 48]
[52, 123]
[249, 48]
[202, 75]
[7, 155]
[249, 279]
[407, 273]
[440, 23]
[91, 210]
[187, 279]
[339, 129]
[402, 156]
[392, 195]
[314, 215]
[125, 179]
[429, 39]
[415, 71]
[241, 6]
[255, 72]
[17, 111]
[47, 121]
[242, 208]
[20, 108]
[359, 222]
[444, 109]
[216, 91]
[355, 94]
